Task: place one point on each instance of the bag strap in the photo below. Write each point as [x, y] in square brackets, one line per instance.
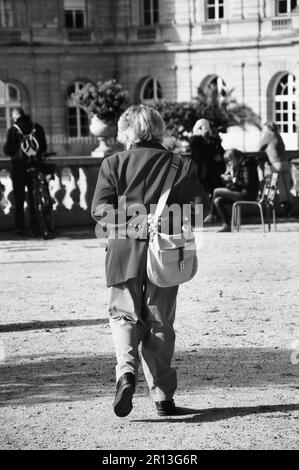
[18, 129]
[33, 130]
[167, 185]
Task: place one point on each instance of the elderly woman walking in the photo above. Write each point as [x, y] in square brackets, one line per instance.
[141, 313]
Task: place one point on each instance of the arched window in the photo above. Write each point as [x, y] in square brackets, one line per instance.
[10, 97]
[78, 121]
[151, 91]
[285, 104]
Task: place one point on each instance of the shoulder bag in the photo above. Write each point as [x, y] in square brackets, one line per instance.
[171, 259]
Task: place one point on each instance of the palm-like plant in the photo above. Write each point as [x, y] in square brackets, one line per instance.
[220, 108]
[223, 110]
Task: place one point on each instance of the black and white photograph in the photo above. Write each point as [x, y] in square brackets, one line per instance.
[149, 228]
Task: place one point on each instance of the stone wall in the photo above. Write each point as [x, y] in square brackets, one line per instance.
[245, 49]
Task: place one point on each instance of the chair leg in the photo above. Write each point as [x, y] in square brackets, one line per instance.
[274, 218]
[238, 218]
[233, 223]
[262, 218]
[235, 218]
[268, 217]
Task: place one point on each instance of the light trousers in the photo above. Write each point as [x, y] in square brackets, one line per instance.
[143, 314]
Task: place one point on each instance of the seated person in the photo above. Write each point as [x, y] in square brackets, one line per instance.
[241, 183]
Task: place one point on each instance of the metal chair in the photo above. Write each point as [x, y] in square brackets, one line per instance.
[266, 200]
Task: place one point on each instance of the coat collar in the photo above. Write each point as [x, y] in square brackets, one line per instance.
[152, 144]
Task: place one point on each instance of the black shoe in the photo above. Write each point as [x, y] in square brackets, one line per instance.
[166, 407]
[125, 389]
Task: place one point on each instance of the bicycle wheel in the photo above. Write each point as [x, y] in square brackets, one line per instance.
[47, 211]
[43, 209]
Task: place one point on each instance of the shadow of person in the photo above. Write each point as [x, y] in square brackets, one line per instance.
[51, 324]
[219, 414]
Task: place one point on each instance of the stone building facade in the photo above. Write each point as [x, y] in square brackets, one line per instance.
[156, 49]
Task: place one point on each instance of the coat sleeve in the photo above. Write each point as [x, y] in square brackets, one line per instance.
[194, 192]
[41, 137]
[245, 182]
[103, 207]
[12, 143]
[220, 152]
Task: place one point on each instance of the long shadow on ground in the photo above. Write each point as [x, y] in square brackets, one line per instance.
[220, 414]
[75, 233]
[41, 325]
[35, 379]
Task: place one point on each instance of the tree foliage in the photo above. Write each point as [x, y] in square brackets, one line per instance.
[221, 109]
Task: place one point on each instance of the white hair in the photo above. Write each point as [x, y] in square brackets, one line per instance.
[140, 123]
[199, 123]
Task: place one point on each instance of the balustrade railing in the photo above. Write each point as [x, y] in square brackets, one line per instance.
[211, 28]
[279, 24]
[73, 187]
[10, 35]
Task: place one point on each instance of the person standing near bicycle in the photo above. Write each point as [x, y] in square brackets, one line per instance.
[24, 139]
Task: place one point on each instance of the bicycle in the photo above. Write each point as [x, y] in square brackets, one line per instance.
[40, 174]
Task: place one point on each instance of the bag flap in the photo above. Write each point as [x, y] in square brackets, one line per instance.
[172, 256]
[166, 241]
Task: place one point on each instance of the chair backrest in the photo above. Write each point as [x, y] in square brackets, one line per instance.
[270, 188]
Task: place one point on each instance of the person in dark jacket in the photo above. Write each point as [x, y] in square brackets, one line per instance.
[242, 184]
[207, 152]
[22, 125]
[141, 313]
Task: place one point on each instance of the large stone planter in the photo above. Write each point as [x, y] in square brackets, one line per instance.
[106, 134]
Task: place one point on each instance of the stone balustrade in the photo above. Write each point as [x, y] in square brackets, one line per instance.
[73, 187]
[72, 190]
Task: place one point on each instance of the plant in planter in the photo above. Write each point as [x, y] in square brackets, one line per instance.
[105, 102]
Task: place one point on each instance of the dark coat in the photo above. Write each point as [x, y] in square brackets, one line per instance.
[139, 174]
[12, 146]
[246, 178]
[208, 156]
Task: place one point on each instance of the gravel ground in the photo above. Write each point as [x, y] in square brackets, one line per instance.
[236, 325]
